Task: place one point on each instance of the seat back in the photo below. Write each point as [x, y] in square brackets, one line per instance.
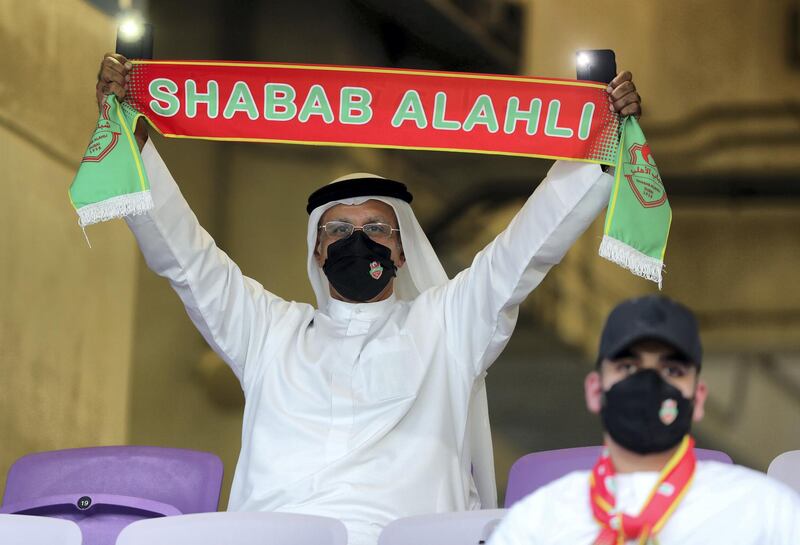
[103, 489]
[236, 529]
[27, 530]
[786, 468]
[537, 469]
[462, 528]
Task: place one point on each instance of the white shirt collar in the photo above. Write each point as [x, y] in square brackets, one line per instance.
[341, 310]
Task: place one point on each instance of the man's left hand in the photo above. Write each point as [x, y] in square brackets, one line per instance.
[623, 97]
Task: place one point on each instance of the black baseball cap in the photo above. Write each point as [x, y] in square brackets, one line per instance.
[652, 317]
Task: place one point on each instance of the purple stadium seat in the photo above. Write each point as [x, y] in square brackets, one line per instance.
[535, 470]
[104, 489]
[236, 529]
[786, 468]
[462, 528]
[25, 530]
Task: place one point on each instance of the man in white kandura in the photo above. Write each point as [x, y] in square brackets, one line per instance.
[647, 487]
[370, 407]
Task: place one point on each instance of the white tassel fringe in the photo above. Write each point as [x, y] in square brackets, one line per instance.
[632, 259]
[121, 206]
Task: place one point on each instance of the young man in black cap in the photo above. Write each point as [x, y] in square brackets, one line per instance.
[371, 406]
[647, 487]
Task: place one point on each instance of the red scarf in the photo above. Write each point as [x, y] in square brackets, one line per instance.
[673, 483]
[377, 107]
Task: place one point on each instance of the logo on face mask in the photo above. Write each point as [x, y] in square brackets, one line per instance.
[347, 259]
[644, 413]
[375, 270]
[668, 412]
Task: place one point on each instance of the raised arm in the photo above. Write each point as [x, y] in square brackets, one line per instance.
[231, 311]
[481, 303]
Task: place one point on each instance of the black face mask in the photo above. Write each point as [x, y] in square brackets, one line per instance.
[646, 414]
[358, 267]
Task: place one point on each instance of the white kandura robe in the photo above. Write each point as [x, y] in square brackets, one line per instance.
[725, 505]
[359, 411]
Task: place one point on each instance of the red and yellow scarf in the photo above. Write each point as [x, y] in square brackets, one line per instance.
[672, 485]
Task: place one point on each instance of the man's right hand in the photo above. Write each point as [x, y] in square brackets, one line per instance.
[113, 77]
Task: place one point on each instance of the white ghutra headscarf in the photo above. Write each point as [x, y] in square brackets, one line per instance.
[422, 271]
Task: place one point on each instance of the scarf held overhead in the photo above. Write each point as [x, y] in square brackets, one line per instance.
[383, 108]
[375, 107]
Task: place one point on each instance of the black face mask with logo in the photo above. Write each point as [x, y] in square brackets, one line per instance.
[645, 414]
[358, 267]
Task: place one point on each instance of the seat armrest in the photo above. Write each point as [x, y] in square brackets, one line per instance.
[86, 502]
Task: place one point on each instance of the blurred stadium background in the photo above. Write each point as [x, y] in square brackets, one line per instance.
[96, 350]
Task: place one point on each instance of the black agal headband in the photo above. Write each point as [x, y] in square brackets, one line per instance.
[358, 187]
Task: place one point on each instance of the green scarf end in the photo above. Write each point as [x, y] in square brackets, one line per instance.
[639, 216]
[111, 181]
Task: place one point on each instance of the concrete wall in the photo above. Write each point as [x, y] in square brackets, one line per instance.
[66, 311]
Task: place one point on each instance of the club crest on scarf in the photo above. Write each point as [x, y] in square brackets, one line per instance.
[642, 174]
[668, 411]
[104, 139]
